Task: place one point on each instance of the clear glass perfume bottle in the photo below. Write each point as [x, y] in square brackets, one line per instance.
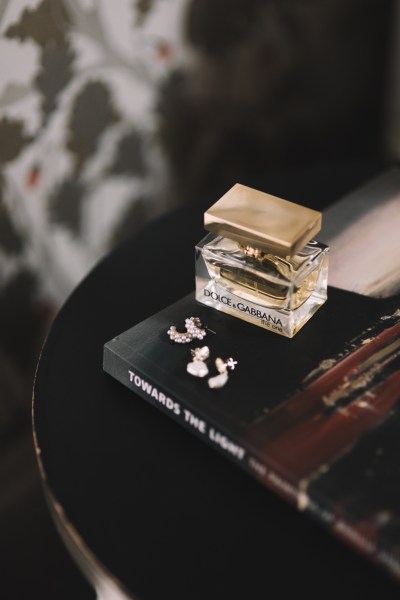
[260, 263]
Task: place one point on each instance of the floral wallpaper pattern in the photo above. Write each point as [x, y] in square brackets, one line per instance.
[79, 152]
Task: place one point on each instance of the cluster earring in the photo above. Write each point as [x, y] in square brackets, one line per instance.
[194, 330]
[222, 367]
[198, 367]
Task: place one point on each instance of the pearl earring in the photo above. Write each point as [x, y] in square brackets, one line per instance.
[222, 367]
[193, 331]
[198, 367]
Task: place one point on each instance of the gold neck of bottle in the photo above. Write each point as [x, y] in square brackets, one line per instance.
[251, 251]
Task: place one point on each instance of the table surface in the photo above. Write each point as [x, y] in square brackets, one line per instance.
[143, 505]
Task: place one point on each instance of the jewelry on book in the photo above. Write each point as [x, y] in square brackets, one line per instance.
[193, 331]
[222, 367]
[198, 367]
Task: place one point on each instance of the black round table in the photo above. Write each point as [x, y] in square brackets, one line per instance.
[145, 507]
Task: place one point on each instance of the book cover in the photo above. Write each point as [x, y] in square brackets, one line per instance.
[315, 418]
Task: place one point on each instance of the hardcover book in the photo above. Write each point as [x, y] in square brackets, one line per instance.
[316, 418]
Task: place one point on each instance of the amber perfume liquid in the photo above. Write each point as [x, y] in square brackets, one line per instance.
[277, 293]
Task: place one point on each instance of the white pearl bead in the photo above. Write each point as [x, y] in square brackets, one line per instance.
[218, 381]
[197, 368]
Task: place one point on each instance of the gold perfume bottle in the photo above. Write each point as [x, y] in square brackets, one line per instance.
[260, 263]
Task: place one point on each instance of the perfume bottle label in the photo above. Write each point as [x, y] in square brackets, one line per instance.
[218, 297]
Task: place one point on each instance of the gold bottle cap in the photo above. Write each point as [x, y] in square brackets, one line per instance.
[257, 219]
